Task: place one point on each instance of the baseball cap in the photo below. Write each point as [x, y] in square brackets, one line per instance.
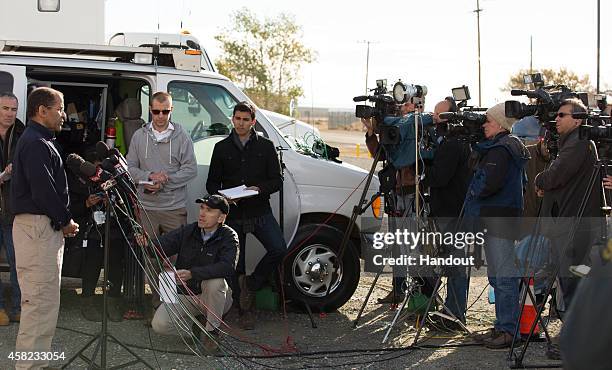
[215, 202]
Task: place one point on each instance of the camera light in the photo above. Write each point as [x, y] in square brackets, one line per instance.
[48, 5]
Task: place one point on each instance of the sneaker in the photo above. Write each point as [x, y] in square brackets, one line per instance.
[4, 318]
[16, 317]
[247, 321]
[90, 310]
[247, 297]
[114, 309]
[501, 341]
[481, 337]
[390, 298]
[445, 323]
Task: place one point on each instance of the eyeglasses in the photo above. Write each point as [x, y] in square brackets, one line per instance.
[563, 114]
[165, 112]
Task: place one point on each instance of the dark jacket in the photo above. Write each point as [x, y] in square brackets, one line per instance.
[448, 178]
[496, 189]
[211, 260]
[39, 183]
[82, 215]
[566, 180]
[256, 164]
[536, 164]
[7, 151]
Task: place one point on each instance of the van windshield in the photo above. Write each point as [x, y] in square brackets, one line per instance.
[203, 110]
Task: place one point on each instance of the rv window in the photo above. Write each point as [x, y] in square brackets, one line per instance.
[6, 82]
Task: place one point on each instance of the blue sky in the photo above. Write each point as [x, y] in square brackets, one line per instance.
[424, 42]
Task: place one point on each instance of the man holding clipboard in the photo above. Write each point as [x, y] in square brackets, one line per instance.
[245, 166]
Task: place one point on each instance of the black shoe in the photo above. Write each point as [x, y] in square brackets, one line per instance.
[90, 310]
[114, 309]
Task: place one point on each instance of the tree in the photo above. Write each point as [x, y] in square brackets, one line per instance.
[264, 58]
[553, 77]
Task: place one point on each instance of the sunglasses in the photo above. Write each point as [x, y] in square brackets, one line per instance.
[165, 112]
[563, 114]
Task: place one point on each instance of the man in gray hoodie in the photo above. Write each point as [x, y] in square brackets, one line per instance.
[161, 155]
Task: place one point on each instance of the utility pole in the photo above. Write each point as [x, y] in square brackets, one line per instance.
[477, 11]
[368, 42]
[531, 54]
[598, 40]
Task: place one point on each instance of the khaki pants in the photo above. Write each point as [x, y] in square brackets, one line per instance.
[38, 255]
[217, 297]
[156, 224]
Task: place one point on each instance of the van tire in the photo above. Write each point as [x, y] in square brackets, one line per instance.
[324, 245]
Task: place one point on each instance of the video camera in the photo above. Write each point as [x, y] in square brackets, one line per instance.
[465, 123]
[595, 127]
[547, 102]
[396, 132]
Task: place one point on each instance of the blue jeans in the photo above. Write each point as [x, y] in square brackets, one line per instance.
[504, 277]
[533, 255]
[6, 239]
[456, 281]
[269, 234]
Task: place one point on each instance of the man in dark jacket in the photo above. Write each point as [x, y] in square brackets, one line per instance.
[246, 158]
[495, 199]
[39, 198]
[447, 177]
[84, 201]
[206, 253]
[564, 184]
[10, 131]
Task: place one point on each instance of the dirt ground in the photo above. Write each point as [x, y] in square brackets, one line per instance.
[291, 342]
[334, 343]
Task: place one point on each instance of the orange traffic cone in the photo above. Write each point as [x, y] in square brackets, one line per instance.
[529, 313]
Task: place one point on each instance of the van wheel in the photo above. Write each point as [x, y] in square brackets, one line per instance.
[308, 270]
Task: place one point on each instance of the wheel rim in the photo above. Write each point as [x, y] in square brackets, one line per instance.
[313, 270]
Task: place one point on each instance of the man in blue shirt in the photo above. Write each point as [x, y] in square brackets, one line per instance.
[39, 195]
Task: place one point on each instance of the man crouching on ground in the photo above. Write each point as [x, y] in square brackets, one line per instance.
[206, 257]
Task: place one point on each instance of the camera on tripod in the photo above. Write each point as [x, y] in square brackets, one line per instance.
[466, 123]
[386, 109]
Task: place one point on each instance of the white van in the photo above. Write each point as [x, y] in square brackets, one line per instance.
[318, 195]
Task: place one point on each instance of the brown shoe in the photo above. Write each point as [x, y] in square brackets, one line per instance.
[4, 319]
[501, 341]
[210, 342]
[482, 337]
[247, 320]
[16, 317]
[247, 297]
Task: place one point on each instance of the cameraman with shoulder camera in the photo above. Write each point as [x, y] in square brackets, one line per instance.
[563, 186]
[404, 197]
[447, 176]
[495, 195]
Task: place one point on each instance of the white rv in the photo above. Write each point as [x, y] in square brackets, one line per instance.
[318, 195]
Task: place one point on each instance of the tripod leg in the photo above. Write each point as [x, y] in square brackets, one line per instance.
[71, 360]
[434, 294]
[130, 351]
[312, 322]
[404, 303]
[367, 298]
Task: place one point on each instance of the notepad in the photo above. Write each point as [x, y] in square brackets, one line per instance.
[167, 287]
[238, 192]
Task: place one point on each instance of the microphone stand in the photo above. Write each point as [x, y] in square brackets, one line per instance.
[103, 336]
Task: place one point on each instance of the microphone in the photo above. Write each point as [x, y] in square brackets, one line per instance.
[360, 98]
[516, 92]
[116, 152]
[447, 115]
[94, 173]
[102, 149]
